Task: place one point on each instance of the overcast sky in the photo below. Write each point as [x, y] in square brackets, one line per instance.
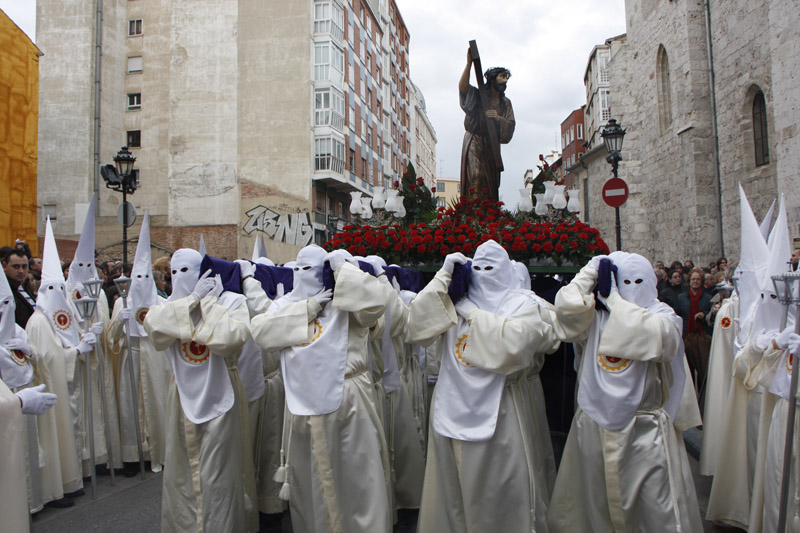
[545, 44]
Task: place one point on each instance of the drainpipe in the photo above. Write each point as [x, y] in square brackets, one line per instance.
[714, 131]
[98, 54]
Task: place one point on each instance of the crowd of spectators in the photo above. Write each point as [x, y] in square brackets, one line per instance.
[24, 273]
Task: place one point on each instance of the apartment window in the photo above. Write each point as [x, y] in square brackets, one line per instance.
[369, 136]
[441, 186]
[605, 107]
[329, 108]
[352, 117]
[760, 138]
[329, 18]
[352, 160]
[134, 101]
[580, 131]
[571, 133]
[329, 154]
[328, 63]
[135, 64]
[363, 129]
[368, 63]
[134, 27]
[134, 139]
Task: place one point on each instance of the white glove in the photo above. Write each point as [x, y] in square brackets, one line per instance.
[764, 338]
[247, 268]
[203, 286]
[88, 340]
[396, 284]
[125, 314]
[36, 402]
[594, 262]
[218, 288]
[279, 290]
[97, 328]
[19, 345]
[786, 338]
[464, 306]
[324, 296]
[451, 260]
[337, 258]
[794, 345]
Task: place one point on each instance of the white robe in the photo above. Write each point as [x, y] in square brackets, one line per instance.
[13, 499]
[636, 478]
[334, 461]
[720, 368]
[152, 374]
[205, 484]
[489, 484]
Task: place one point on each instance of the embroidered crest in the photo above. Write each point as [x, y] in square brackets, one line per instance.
[62, 319]
[461, 345]
[195, 353]
[76, 294]
[18, 357]
[613, 364]
[316, 332]
[140, 314]
[789, 363]
[725, 322]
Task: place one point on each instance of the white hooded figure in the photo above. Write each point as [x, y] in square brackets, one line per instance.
[736, 467]
[56, 343]
[151, 369]
[82, 269]
[624, 466]
[333, 472]
[202, 330]
[479, 444]
[260, 252]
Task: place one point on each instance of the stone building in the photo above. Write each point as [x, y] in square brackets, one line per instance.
[19, 109]
[705, 94]
[423, 140]
[244, 117]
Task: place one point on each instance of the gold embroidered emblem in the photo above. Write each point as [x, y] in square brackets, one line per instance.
[62, 319]
[195, 353]
[461, 345]
[725, 322]
[316, 332]
[613, 364]
[789, 363]
[140, 314]
[18, 357]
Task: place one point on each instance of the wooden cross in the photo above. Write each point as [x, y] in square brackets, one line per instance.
[491, 124]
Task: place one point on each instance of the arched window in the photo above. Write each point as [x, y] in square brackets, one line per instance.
[664, 90]
[760, 137]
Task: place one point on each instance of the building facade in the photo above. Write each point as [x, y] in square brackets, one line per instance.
[19, 110]
[244, 117]
[423, 145]
[704, 93]
[448, 191]
[573, 144]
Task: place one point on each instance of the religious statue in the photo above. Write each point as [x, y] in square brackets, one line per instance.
[489, 121]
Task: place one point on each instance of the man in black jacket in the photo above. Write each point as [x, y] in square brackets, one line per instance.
[15, 264]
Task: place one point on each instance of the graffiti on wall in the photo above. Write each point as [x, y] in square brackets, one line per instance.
[293, 228]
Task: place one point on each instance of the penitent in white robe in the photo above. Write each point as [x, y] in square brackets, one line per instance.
[204, 483]
[485, 480]
[152, 374]
[13, 497]
[56, 365]
[335, 468]
[720, 368]
[635, 477]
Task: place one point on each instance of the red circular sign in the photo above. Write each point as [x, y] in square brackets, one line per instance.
[615, 192]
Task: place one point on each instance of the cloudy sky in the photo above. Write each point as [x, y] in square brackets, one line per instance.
[545, 44]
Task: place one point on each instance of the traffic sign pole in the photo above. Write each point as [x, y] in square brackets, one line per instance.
[615, 193]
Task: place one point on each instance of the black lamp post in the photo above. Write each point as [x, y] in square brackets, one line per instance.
[612, 135]
[120, 177]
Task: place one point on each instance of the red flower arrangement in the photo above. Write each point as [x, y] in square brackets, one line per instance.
[466, 225]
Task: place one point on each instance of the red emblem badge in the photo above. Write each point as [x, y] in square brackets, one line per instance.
[62, 319]
[612, 364]
[140, 314]
[194, 352]
[18, 357]
[725, 322]
[461, 345]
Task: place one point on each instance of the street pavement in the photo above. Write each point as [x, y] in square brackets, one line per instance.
[134, 505]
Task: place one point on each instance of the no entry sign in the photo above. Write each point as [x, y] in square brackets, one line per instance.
[615, 192]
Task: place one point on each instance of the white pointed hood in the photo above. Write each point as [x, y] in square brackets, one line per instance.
[636, 280]
[766, 224]
[260, 252]
[52, 298]
[202, 247]
[82, 267]
[492, 277]
[7, 308]
[308, 272]
[143, 293]
[768, 310]
[753, 262]
[185, 267]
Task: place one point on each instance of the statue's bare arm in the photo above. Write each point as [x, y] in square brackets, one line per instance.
[463, 83]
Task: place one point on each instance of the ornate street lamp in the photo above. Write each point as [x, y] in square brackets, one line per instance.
[612, 135]
[120, 177]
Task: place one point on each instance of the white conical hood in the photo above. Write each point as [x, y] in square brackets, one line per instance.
[82, 267]
[768, 310]
[143, 293]
[52, 298]
[202, 247]
[766, 224]
[259, 248]
[753, 262]
[492, 277]
[7, 308]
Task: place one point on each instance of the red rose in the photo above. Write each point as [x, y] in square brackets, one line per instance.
[582, 236]
[362, 250]
[536, 247]
[353, 249]
[547, 247]
[433, 189]
[467, 248]
[573, 245]
[564, 237]
[559, 248]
